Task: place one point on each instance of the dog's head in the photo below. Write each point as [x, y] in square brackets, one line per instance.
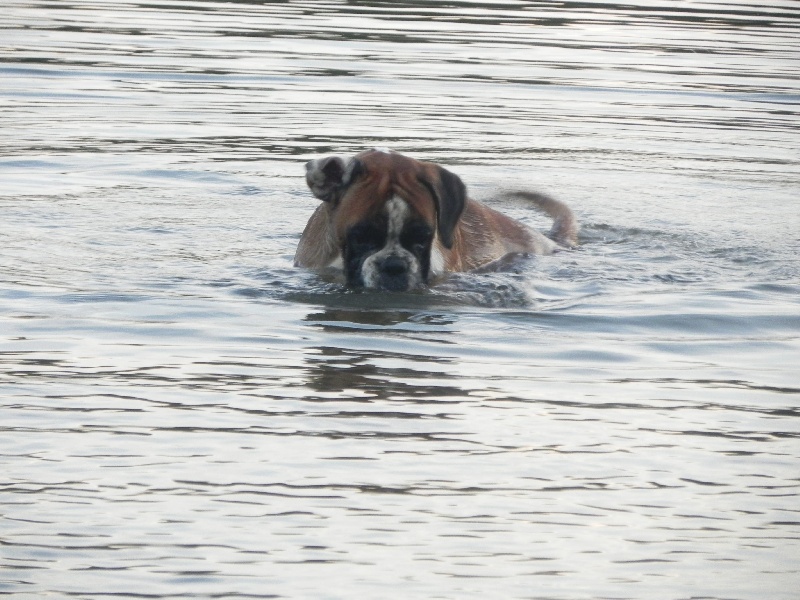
[392, 215]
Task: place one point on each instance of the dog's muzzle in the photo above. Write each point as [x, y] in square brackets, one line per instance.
[393, 274]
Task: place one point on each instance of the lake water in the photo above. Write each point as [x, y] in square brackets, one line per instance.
[186, 415]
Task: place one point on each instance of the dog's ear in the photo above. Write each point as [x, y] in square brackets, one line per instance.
[450, 195]
[328, 177]
[324, 177]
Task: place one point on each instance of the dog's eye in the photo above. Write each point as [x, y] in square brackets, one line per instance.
[416, 238]
[363, 238]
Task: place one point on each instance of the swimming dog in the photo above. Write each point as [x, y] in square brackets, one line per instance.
[390, 222]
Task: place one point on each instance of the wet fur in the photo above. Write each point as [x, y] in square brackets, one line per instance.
[467, 233]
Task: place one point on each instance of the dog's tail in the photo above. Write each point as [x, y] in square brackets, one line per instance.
[565, 225]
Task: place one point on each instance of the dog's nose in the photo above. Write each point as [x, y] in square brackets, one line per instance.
[394, 266]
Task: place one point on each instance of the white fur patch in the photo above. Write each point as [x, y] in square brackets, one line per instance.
[348, 172]
[437, 261]
[397, 213]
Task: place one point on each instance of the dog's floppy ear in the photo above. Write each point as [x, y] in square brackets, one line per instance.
[328, 177]
[450, 195]
[324, 177]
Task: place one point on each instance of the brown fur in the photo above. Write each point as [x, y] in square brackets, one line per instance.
[477, 234]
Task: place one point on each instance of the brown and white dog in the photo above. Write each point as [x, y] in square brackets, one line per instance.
[390, 222]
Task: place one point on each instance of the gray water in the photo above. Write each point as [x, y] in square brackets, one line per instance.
[186, 415]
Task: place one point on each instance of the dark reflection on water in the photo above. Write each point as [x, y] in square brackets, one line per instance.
[184, 414]
[338, 370]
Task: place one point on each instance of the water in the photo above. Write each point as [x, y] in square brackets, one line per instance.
[184, 414]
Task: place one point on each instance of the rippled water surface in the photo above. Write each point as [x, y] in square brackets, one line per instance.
[186, 415]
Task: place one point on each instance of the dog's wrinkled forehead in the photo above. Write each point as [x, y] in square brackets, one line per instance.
[386, 161]
[373, 178]
[359, 187]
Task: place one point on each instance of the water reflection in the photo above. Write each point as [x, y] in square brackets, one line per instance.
[379, 375]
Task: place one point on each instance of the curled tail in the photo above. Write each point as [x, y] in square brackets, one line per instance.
[565, 225]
